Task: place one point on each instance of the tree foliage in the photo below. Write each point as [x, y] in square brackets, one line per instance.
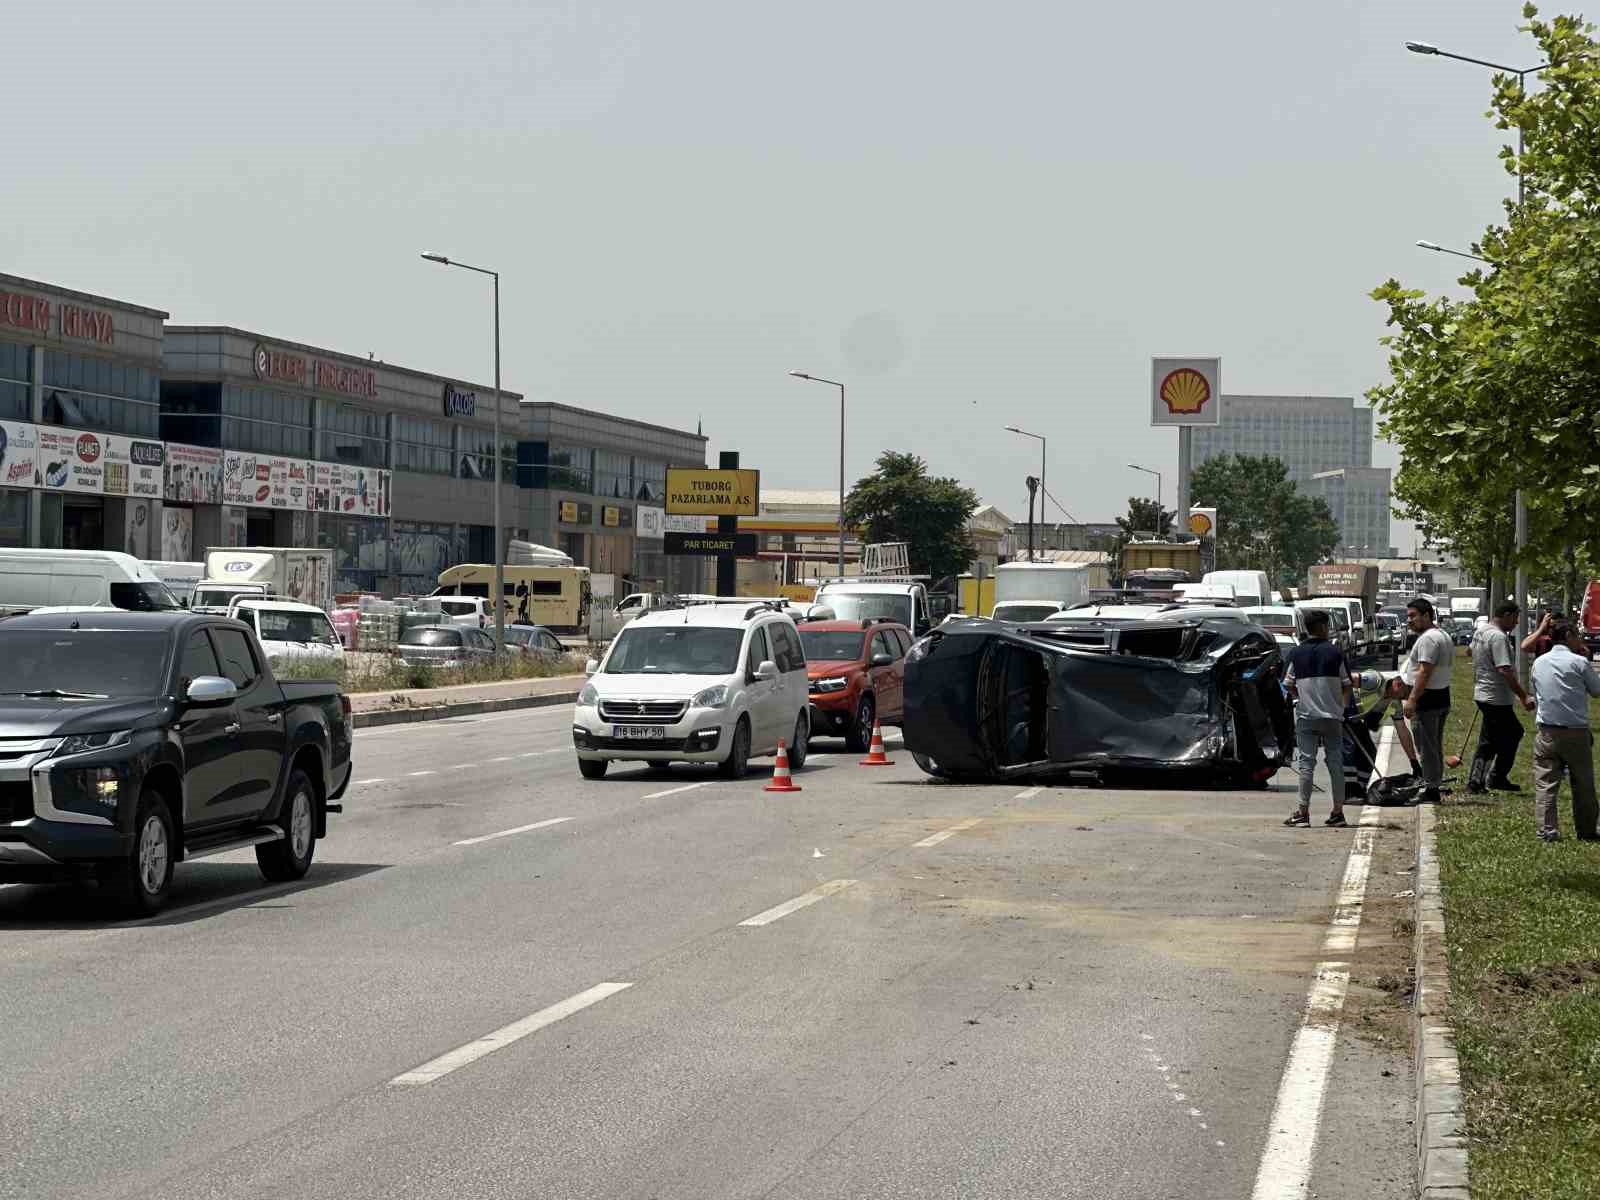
[1263, 522]
[901, 502]
[1145, 518]
[1501, 389]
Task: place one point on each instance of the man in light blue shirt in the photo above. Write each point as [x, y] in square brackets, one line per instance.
[1563, 681]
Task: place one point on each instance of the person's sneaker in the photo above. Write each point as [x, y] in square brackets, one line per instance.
[1431, 796]
[1301, 818]
[1503, 785]
[1549, 835]
[1336, 820]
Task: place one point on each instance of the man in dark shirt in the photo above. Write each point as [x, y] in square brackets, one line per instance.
[1319, 683]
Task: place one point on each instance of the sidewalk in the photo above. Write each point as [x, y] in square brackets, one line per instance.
[396, 705]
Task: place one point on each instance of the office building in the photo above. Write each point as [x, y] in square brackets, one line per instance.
[1308, 433]
[1358, 497]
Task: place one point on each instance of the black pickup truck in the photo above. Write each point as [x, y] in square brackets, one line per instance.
[129, 741]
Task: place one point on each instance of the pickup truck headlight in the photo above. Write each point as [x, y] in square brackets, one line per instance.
[588, 697]
[711, 697]
[837, 683]
[83, 743]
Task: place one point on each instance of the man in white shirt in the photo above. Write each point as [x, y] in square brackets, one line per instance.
[1563, 681]
[1427, 674]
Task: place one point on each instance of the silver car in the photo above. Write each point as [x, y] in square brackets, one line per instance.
[445, 646]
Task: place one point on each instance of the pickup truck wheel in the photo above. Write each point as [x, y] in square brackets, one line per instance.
[593, 768]
[141, 882]
[290, 856]
[859, 735]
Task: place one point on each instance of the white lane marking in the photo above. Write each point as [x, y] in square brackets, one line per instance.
[935, 838]
[359, 782]
[1029, 794]
[505, 1036]
[463, 766]
[537, 753]
[500, 758]
[489, 837]
[799, 902]
[414, 774]
[688, 787]
[457, 722]
[1285, 1169]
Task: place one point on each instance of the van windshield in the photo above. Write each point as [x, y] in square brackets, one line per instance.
[143, 597]
[675, 650]
[867, 606]
[99, 663]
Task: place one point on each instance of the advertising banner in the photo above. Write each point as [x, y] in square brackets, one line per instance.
[177, 534]
[134, 467]
[650, 522]
[673, 523]
[73, 461]
[193, 474]
[1185, 391]
[717, 493]
[19, 454]
[139, 528]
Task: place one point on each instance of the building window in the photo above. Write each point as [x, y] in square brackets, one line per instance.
[613, 475]
[265, 421]
[13, 518]
[651, 485]
[96, 393]
[421, 445]
[571, 468]
[16, 369]
[477, 455]
[355, 435]
[420, 552]
[360, 548]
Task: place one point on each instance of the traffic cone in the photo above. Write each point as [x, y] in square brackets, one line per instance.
[782, 781]
[875, 755]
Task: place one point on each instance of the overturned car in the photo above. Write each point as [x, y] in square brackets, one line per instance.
[1192, 697]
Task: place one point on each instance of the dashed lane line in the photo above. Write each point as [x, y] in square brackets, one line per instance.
[489, 837]
[688, 787]
[414, 774]
[945, 834]
[799, 902]
[506, 1035]
[1029, 794]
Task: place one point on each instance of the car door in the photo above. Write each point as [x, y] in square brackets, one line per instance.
[765, 695]
[206, 735]
[790, 658]
[899, 643]
[549, 645]
[885, 684]
[255, 752]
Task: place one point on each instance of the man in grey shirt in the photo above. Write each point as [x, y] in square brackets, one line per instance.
[1427, 675]
[1494, 683]
[1563, 681]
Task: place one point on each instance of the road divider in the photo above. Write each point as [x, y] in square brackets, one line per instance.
[506, 1035]
[799, 902]
[489, 837]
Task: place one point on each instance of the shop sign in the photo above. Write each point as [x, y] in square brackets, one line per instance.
[275, 364]
[1185, 391]
[193, 474]
[347, 381]
[575, 512]
[719, 493]
[741, 545]
[133, 467]
[21, 311]
[610, 516]
[19, 455]
[86, 323]
[650, 521]
[71, 461]
[324, 376]
[354, 491]
[458, 403]
[673, 523]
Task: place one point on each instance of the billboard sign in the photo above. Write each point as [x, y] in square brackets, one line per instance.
[698, 491]
[1185, 391]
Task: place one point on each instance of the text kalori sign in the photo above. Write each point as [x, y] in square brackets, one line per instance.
[325, 376]
[1185, 391]
[721, 493]
[459, 402]
[36, 314]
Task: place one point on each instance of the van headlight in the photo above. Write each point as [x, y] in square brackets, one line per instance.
[711, 697]
[83, 743]
[588, 697]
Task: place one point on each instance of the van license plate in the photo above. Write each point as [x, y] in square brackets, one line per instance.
[639, 733]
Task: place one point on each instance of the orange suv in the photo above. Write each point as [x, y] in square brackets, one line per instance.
[857, 672]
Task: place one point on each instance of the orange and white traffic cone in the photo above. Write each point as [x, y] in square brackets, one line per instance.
[875, 755]
[782, 781]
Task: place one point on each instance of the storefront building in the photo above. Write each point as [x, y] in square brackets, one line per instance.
[276, 443]
[80, 455]
[594, 488]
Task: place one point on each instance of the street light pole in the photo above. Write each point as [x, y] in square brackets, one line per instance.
[840, 386]
[1423, 244]
[1520, 517]
[1044, 496]
[499, 466]
[1157, 474]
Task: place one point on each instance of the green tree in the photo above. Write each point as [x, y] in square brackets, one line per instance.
[1145, 518]
[1263, 522]
[901, 502]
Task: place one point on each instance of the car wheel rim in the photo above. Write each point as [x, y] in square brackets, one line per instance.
[300, 825]
[153, 855]
[864, 722]
[800, 737]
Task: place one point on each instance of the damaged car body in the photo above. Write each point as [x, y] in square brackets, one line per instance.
[1199, 698]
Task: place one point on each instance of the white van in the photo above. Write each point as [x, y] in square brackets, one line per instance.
[32, 579]
[180, 577]
[1250, 588]
[714, 683]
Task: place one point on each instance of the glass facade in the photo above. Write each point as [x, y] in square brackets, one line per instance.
[613, 475]
[95, 393]
[16, 369]
[418, 552]
[650, 478]
[267, 421]
[355, 435]
[360, 548]
[13, 518]
[422, 445]
[570, 469]
[477, 455]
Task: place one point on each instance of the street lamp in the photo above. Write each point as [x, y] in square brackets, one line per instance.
[1044, 495]
[1438, 249]
[1157, 474]
[1521, 510]
[499, 544]
[840, 386]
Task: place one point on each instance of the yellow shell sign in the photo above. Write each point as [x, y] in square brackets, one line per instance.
[1199, 524]
[1185, 391]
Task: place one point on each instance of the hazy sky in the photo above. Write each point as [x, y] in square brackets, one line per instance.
[976, 215]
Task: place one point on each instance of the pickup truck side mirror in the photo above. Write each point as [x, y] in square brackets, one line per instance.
[591, 666]
[209, 691]
[767, 670]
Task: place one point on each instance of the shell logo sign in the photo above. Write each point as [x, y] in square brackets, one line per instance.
[1185, 391]
[1203, 522]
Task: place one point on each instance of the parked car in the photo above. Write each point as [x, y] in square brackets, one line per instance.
[132, 741]
[856, 671]
[535, 641]
[713, 683]
[444, 646]
[291, 632]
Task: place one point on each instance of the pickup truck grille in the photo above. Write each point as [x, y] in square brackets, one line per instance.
[16, 802]
[644, 712]
[14, 750]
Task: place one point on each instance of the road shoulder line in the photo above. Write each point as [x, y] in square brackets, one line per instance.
[799, 902]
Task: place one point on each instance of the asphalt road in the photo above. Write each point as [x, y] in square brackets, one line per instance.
[1076, 992]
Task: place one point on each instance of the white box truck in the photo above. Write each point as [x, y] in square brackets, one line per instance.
[1026, 591]
[288, 573]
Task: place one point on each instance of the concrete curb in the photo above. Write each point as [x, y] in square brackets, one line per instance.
[1441, 1115]
[437, 712]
